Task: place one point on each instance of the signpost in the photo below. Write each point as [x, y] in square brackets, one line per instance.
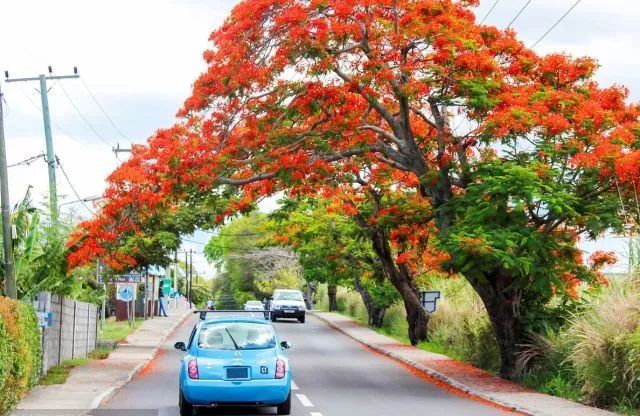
[126, 292]
[429, 299]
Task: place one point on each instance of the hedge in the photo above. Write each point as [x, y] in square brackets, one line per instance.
[20, 353]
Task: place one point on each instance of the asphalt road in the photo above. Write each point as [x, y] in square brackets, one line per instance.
[333, 376]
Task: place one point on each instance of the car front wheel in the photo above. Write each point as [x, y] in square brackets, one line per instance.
[301, 319]
[186, 408]
[284, 408]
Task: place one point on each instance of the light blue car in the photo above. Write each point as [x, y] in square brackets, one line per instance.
[234, 361]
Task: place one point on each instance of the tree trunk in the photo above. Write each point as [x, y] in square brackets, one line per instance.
[375, 313]
[333, 298]
[503, 307]
[400, 277]
[311, 293]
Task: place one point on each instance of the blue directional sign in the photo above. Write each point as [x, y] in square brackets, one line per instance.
[45, 319]
[126, 292]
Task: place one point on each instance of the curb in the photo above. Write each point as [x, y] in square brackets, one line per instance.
[455, 385]
[111, 391]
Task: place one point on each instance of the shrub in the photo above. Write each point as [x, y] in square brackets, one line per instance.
[604, 345]
[20, 352]
[595, 356]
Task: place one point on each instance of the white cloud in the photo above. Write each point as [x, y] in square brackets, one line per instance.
[140, 57]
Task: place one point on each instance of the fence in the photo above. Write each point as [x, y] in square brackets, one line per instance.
[73, 331]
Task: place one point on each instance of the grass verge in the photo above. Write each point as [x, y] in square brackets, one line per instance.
[117, 331]
[59, 373]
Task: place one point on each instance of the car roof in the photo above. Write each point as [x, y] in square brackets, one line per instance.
[236, 319]
[287, 290]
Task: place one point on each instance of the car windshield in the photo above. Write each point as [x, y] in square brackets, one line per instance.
[288, 296]
[236, 336]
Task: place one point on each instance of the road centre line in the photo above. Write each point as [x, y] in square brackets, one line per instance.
[294, 386]
[304, 400]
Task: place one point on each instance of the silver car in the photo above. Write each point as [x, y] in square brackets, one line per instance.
[253, 305]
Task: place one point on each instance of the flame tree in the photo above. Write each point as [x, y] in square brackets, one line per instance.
[517, 155]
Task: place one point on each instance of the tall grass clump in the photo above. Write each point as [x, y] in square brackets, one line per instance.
[603, 345]
[460, 327]
[595, 356]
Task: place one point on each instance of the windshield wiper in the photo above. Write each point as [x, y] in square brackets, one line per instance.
[232, 340]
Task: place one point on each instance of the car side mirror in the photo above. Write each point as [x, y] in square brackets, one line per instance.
[180, 346]
[286, 345]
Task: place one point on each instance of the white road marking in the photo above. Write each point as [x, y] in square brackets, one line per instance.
[304, 400]
[316, 414]
[294, 386]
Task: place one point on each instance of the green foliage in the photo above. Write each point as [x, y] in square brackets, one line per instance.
[595, 356]
[248, 268]
[493, 231]
[480, 93]
[201, 292]
[332, 249]
[19, 351]
[40, 254]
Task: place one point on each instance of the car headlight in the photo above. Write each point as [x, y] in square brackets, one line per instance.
[275, 307]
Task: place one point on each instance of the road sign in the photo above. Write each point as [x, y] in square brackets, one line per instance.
[126, 291]
[429, 299]
[127, 278]
[45, 319]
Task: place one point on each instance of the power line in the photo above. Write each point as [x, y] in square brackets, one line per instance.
[103, 111]
[490, 11]
[83, 117]
[28, 161]
[57, 126]
[194, 242]
[519, 13]
[48, 136]
[556, 24]
[64, 173]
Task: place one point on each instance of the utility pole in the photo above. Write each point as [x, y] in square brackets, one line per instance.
[175, 272]
[103, 309]
[10, 288]
[186, 277]
[190, 275]
[51, 157]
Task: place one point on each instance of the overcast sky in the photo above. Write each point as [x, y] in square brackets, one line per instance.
[139, 58]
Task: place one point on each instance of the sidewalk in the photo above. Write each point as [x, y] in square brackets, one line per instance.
[460, 376]
[89, 385]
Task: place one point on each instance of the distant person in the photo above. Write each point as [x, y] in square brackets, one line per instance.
[162, 311]
[210, 305]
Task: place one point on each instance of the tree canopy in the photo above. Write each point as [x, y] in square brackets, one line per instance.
[516, 155]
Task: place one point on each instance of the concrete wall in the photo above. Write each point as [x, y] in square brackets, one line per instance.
[73, 331]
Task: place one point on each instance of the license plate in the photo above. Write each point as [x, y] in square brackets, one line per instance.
[237, 373]
[289, 311]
